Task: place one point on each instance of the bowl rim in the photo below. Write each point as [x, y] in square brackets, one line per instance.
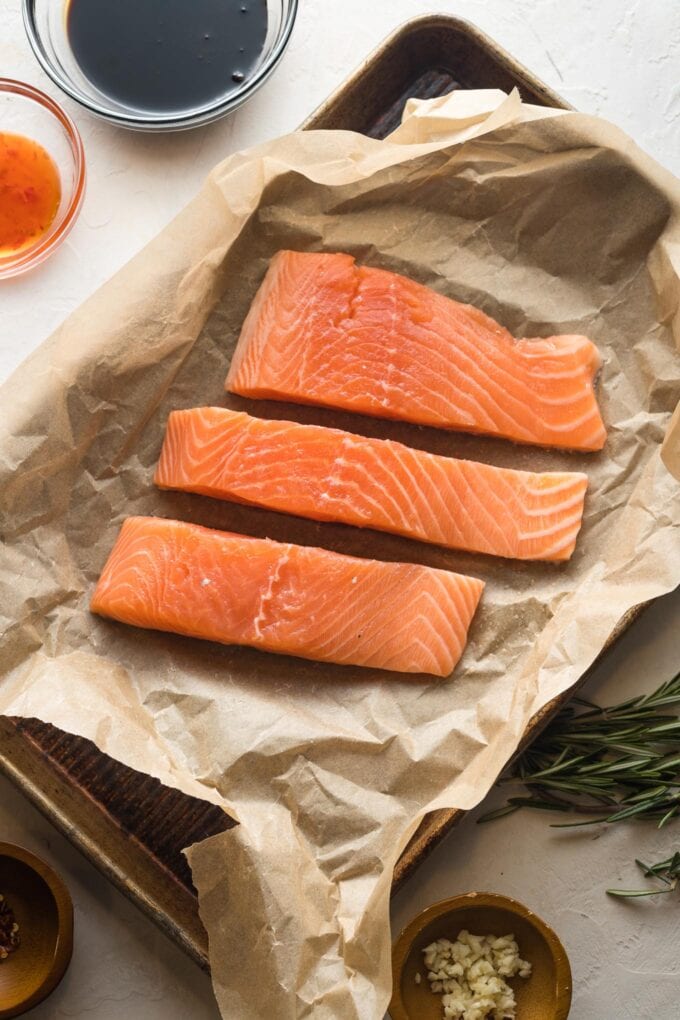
[404, 942]
[161, 122]
[28, 258]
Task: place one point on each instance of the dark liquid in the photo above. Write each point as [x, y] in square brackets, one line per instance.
[167, 55]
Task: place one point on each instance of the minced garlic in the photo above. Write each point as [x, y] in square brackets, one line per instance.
[470, 975]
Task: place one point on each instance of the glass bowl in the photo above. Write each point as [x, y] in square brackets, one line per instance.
[46, 26]
[25, 110]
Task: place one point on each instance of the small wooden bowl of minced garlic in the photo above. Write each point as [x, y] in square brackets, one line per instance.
[479, 956]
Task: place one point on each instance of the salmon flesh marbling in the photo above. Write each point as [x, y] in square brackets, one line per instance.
[323, 330]
[295, 600]
[331, 475]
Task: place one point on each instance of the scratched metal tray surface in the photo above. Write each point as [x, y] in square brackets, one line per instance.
[129, 825]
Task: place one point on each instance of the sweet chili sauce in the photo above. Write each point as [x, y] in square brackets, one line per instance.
[30, 191]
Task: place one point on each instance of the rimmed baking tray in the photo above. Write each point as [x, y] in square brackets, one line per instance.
[129, 825]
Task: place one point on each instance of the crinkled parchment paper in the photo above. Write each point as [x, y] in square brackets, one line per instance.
[550, 223]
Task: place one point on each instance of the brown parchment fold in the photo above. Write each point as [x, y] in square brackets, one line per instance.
[550, 222]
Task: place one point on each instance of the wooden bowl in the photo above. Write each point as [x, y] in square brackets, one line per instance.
[44, 912]
[546, 995]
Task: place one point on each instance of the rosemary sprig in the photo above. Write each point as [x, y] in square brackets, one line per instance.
[610, 764]
[667, 871]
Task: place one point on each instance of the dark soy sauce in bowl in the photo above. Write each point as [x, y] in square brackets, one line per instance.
[166, 56]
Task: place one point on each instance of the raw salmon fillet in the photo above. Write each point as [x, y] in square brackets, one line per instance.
[167, 575]
[330, 475]
[323, 330]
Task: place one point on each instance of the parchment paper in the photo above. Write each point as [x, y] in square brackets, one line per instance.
[550, 223]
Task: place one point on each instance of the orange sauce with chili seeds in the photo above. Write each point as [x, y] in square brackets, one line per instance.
[30, 190]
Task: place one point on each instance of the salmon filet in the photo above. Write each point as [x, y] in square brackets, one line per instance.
[330, 475]
[323, 330]
[171, 576]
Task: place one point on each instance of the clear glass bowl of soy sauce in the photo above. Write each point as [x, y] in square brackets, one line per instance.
[159, 65]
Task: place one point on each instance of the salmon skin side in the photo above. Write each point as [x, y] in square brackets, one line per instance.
[323, 330]
[171, 576]
[330, 475]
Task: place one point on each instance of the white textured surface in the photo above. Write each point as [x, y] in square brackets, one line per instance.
[617, 58]
[623, 953]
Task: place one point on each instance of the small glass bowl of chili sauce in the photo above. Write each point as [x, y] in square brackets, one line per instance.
[42, 176]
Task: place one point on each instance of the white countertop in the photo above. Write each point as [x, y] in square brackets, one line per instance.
[617, 58]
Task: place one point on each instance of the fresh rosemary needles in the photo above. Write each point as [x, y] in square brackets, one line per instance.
[667, 871]
[610, 763]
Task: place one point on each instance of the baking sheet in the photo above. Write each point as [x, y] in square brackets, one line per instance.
[549, 224]
[112, 813]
